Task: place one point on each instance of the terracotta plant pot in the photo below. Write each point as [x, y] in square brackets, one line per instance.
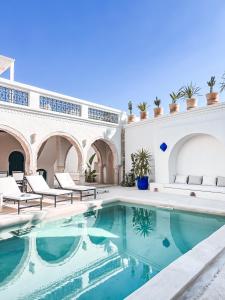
[212, 98]
[191, 103]
[131, 119]
[158, 111]
[174, 108]
[143, 115]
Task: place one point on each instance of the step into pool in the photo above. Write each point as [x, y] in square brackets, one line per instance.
[101, 254]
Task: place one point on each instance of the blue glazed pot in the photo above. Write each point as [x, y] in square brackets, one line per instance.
[142, 183]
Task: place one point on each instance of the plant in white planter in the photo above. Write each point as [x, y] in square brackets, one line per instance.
[188, 92]
[142, 168]
[212, 97]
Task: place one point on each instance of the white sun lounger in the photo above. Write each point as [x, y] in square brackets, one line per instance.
[39, 186]
[66, 182]
[11, 192]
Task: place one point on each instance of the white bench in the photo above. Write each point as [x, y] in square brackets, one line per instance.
[203, 191]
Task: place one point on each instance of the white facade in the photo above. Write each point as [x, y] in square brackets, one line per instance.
[45, 136]
[195, 143]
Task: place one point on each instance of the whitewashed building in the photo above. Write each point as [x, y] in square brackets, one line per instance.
[44, 130]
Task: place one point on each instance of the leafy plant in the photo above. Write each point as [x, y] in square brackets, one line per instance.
[90, 174]
[130, 177]
[175, 96]
[130, 107]
[190, 90]
[211, 83]
[222, 84]
[142, 163]
[157, 102]
[144, 221]
[143, 106]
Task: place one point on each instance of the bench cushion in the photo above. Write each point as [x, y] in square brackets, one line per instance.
[194, 180]
[221, 181]
[209, 180]
[180, 179]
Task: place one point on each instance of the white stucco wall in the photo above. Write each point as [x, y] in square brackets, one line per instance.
[32, 126]
[185, 135]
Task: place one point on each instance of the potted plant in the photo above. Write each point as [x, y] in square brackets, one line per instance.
[158, 111]
[143, 106]
[142, 168]
[212, 97]
[174, 106]
[131, 117]
[188, 92]
[222, 84]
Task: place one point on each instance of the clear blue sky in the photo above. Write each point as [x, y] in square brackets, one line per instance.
[111, 51]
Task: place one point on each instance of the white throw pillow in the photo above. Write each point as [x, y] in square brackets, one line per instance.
[196, 180]
[181, 179]
[209, 180]
[221, 181]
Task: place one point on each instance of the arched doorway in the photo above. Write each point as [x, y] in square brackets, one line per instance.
[12, 141]
[104, 161]
[53, 152]
[16, 162]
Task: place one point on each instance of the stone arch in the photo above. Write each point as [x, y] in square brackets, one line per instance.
[24, 144]
[70, 139]
[113, 159]
[203, 144]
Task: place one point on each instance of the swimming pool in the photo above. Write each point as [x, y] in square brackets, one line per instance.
[102, 254]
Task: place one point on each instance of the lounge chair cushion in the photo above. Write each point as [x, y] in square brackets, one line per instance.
[209, 181]
[11, 191]
[194, 180]
[182, 179]
[37, 183]
[66, 182]
[22, 197]
[221, 181]
[39, 186]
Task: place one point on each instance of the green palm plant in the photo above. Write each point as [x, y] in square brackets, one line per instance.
[189, 90]
[175, 96]
[90, 174]
[157, 102]
[211, 83]
[144, 221]
[222, 84]
[143, 106]
[142, 165]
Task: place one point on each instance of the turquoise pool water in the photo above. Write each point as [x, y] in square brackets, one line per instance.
[102, 254]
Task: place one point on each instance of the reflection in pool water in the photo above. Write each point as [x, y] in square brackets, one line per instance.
[84, 256]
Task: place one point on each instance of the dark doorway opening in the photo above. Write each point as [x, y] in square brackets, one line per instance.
[16, 162]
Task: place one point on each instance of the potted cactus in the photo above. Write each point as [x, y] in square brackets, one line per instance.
[158, 110]
[131, 116]
[143, 106]
[174, 106]
[142, 168]
[222, 84]
[212, 97]
[188, 92]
